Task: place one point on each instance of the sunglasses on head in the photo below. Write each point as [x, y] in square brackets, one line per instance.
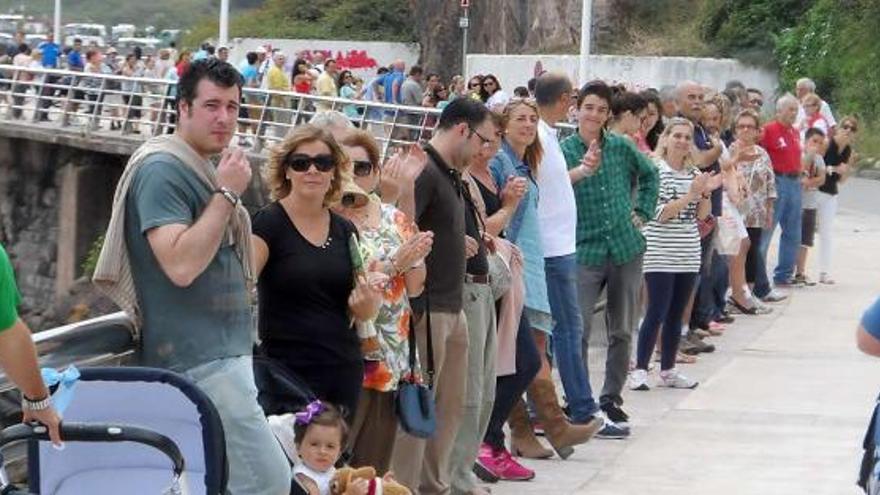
[302, 163]
[362, 168]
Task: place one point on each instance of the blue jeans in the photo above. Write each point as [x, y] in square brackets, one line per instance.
[786, 214]
[668, 295]
[257, 465]
[568, 332]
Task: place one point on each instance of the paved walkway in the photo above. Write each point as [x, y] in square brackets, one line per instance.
[781, 408]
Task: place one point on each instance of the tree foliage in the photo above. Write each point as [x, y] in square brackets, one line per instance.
[367, 20]
[746, 29]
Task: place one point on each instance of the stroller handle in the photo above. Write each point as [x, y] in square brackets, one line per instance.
[103, 432]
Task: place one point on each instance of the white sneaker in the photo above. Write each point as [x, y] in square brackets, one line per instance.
[638, 379]
[673, 379]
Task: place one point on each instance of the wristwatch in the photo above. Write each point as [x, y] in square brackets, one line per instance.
[230, 196]
[35, 405]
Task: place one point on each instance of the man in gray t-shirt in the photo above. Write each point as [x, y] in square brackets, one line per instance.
[411, 95]
[813, 176]
[184, 232]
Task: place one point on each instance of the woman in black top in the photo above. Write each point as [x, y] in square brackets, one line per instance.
[838, 159]
[309, 293]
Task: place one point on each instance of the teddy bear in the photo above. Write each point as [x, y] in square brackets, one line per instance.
[377, 486]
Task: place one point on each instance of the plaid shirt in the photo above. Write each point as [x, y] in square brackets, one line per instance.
[605, 226]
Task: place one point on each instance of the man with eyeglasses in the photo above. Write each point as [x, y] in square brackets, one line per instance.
[177, 258]
[755, 99]
[438, 205]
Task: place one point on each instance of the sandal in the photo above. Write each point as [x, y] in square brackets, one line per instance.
[683, 358]
[746, 310]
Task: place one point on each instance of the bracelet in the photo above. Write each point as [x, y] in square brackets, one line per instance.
[35, 405]
[230, 196]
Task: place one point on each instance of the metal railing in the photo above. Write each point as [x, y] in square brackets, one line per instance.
[107, 104]
[97, 104]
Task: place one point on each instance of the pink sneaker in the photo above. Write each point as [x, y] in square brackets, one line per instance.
[508, 469]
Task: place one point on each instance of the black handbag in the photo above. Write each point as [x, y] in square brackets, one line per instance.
[415, 401]
[279, 389]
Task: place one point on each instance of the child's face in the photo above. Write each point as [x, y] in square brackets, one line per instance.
[320, 447]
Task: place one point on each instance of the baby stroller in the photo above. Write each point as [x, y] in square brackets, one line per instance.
[151, 401]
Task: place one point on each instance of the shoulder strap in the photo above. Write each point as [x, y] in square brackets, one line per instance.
[429, 371]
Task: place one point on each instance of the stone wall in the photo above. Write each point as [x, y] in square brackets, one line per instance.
[33, 209]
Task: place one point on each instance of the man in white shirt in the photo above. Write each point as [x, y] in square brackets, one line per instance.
[557, 214]
[803, 87]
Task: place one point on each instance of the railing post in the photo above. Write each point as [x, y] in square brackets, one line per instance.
[39, 98]
[258, 139]
[65, 115]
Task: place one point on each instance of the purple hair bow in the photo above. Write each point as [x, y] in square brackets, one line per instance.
[313, 409]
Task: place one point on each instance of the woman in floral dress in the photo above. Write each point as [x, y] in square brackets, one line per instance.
[391, 244]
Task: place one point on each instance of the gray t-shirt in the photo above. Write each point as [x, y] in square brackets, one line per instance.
[809, 199]
[183, 327]
[411, 93]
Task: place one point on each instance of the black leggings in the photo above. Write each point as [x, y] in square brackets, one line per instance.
[755, 262]
[668, 295]
[510, 388]
[339, 384]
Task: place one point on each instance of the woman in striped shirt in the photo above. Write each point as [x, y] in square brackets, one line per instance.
[672, 258]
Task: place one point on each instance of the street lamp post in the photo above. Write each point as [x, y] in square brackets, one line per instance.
[224, 22]
[586, 33]
[464, 24]
[57, 25]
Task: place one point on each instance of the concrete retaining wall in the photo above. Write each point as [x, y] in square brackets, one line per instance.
[516, 70]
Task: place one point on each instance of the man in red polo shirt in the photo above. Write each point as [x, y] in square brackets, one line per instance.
[782, 142]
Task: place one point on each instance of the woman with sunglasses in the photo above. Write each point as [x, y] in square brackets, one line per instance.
[391, 244]
[839, 160]
[475, 87]
[518, 159]
[492, 95]
[310, 295]
[347, 90]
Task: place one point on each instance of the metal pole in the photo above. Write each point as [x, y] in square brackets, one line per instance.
[464, 22]
[59, 37]
[224, 22]
[586, 33]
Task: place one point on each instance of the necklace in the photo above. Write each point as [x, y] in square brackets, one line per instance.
[327, 242]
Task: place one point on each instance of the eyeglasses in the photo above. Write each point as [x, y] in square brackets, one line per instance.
[474, 85]
[848, 127]
[302, 163]
[362, 168]
[487, 83]
[758, 103]
[483, 141]
[745, 126]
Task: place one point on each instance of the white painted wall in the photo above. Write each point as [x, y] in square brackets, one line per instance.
[361, 57]
[516, 70]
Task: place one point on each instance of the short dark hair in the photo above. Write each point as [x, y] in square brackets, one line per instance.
[77, 40]
[531, 84]
[330, 416]
[550, 87]
[329, 61]
[415, 70]
[432, 74]
[595, 87]
[382, 70]
[755, 90]
[625, 101]
[221, 73]
[459, 110]
[813, 131]
[521, 92]
[252, 58]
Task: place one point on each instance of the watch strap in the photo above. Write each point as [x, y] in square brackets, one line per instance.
[36, 405]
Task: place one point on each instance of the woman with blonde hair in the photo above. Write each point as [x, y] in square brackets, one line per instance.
[672, 258]
[310, 292]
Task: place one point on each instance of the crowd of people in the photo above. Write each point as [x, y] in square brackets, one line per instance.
[486, 252]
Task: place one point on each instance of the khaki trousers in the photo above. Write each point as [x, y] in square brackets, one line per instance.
[479, 309]
[423, 464]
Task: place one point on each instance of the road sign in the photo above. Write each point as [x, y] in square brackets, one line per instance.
[464, 22]
[465, 3]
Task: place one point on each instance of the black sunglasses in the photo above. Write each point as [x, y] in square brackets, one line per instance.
[849, 128]
[301, 163]
[362, 168]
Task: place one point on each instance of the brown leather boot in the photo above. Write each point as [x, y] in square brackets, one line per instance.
[523, 440]
[561, 434]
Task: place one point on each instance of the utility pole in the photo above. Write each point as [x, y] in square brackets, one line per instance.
[59, 37]
[586, 33]
[223, 39]
[464, 24]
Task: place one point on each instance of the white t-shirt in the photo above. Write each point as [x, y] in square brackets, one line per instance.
[824, 109]
[557, 210]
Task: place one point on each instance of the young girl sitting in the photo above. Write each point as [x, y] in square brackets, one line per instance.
[320, 433]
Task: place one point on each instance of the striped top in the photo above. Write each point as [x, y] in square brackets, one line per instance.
[673, 245]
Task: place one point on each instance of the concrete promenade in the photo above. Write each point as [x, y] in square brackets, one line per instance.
[781, 407]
